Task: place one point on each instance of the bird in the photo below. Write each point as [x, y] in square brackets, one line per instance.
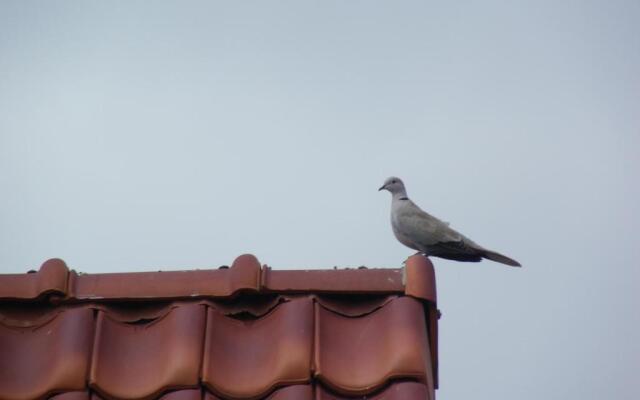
[430, 236]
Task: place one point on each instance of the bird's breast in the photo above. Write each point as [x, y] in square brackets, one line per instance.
[402, 238]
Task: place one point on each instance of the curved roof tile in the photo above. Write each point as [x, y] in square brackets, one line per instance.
[403, 390]
[52, 357]
[186, 394]
[71, 396]
[246, 359]
[293, 392]
[139, 361]
[357, 355]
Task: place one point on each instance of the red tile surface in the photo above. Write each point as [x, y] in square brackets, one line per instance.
[39, 360]
[72, 396]
[50, 279]
[421, 283]
[244, 332]
[139, 361]
[395, 391]
[244, 274]
[294, 392]
[420, 278]
[433, 314]
[400, 390]
[357, 355]
[193, 394]
[246, 359]
[386, 280]
[188, 394]
[25, 314]
[354, 306]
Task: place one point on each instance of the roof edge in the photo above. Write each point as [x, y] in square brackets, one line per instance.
[420, 278]
[245, 275]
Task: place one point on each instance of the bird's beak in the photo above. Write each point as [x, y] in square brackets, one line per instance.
[382, 188]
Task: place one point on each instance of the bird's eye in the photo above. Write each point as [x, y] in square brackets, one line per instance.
[393, 181]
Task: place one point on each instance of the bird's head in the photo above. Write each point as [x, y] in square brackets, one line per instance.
[393, 185]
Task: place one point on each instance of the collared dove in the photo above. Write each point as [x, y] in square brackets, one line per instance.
[428, 235]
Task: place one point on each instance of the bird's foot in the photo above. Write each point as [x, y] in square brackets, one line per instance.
[418, 253]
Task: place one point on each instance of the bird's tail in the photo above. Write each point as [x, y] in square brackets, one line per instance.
[497, 257]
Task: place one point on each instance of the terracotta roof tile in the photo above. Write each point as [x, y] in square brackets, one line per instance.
[244, 274]
[403, 390]
[51, 278]
[433, 315]
[47, 358]
[400, 390]
[384, 280]
[354, 305]
[71, 396]
[187, 394]
[137, 361]
[246, 359]
[293, 392]
[244, 332]
[357, 355]
[420, 278]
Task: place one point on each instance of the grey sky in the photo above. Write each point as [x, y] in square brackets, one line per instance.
[140, 136]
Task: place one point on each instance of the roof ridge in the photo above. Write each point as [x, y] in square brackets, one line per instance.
[57, 284]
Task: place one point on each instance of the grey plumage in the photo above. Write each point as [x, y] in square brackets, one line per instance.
[427, 234]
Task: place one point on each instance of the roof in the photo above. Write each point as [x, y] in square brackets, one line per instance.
[240, 332]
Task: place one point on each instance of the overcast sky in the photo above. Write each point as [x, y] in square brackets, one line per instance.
[178, 135]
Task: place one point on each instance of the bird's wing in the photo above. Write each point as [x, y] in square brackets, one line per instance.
[423, 228]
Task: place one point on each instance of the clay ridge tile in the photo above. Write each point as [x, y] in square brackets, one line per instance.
[420, 278]
[50, 279]
[244, 274]
[420, 282]
[361, 280]
[417, 279]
